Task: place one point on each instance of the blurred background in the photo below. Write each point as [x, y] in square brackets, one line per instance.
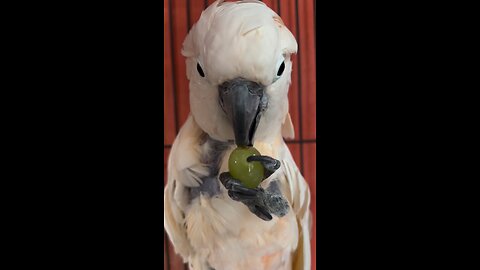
[299, 17]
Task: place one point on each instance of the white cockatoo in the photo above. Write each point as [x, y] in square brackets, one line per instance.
[239, 67]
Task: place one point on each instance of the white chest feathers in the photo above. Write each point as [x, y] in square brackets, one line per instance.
[225, 235]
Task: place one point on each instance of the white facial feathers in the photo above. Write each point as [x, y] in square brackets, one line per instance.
[239, 39]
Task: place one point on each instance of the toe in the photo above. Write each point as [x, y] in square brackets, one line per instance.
[260, 212]
[269, 163]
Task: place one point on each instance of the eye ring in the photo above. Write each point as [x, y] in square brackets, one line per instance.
[281, 69]
[200, 70]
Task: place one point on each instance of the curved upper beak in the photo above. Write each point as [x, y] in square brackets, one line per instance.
[242, 100]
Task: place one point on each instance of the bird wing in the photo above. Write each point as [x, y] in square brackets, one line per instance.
[298, 193]
[184, 170]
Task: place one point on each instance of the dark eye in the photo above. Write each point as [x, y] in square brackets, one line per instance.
[281, 69]
[200, 70]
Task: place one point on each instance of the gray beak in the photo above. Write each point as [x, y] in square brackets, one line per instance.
[243, 101]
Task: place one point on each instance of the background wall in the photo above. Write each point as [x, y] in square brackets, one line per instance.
[299, 17]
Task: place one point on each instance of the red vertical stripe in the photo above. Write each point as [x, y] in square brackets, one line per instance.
[287, 13]
[179, 21]
[269, 3]
[168, 105]
[176, 262]
[274, 6]
[295, 150]
[196, 8]
[308, 74]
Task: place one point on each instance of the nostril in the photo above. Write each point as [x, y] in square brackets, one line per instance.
[221, 101]
[256, 90]
[223, 89]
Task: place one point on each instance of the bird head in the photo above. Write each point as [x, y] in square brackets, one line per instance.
[239, 68]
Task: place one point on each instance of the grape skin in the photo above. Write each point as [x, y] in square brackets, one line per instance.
[250, 174]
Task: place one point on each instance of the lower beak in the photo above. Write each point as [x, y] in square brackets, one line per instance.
[242, 101]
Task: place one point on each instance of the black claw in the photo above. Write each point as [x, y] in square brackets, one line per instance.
[244, 190]
[228, 181]
[224, 177]
[233, 184]
[233, 195]
[269, 163]
[241, 196]
[261, 212]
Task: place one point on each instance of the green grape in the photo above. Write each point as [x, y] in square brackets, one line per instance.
[249, 173]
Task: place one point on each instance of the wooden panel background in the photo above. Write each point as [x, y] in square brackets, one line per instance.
[299, 17]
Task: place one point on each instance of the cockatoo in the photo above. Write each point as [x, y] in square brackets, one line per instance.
[239, 68]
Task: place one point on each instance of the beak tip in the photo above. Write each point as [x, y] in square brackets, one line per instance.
[241, 100]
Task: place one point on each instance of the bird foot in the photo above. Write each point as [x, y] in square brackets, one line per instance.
[261, 202]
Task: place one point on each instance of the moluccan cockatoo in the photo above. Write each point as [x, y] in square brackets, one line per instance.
[239, 67]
